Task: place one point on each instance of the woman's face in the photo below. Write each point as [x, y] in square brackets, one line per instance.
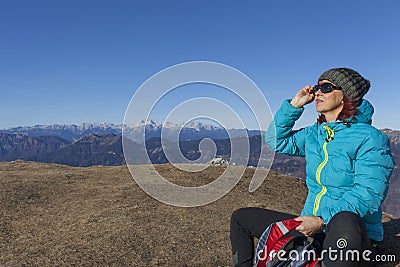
[329, 104]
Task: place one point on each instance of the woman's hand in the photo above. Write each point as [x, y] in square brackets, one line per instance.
[310, 225]
[303, 97]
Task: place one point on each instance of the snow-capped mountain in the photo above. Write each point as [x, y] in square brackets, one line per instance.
[68, 132]
[393, 135]
[135, 131]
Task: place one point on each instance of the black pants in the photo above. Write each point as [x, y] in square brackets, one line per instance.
[247, 223]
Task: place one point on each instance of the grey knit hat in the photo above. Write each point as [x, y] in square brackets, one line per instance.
[353, 84]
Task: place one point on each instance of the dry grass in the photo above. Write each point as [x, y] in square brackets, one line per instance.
[54, 215]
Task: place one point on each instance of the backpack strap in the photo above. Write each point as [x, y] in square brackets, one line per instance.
[282, 227]
[271, 236]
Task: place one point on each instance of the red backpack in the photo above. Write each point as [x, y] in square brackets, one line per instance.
[275, 249]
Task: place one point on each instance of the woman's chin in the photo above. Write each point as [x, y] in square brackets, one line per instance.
[319, 109]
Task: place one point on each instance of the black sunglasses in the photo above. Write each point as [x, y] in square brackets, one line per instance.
[326, 88]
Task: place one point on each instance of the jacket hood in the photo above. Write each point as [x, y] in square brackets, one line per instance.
[366, 111]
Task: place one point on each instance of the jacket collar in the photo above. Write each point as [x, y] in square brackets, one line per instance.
[365, 116]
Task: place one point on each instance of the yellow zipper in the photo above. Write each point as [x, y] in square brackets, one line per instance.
[329, 136]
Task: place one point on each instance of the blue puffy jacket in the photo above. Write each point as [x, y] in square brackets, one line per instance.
[348, 165]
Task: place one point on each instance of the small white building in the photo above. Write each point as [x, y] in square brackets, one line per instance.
[218, 161]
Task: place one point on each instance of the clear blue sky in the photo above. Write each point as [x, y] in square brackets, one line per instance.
[81, 61]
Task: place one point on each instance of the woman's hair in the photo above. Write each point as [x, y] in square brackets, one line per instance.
[349, 110]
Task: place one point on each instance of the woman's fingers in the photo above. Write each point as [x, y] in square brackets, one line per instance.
[303, 97]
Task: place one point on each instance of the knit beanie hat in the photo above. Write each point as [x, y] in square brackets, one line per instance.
[352, 83]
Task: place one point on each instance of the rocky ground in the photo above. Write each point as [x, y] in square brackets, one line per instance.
[55, 215]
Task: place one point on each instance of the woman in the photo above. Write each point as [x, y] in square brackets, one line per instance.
[348, 165]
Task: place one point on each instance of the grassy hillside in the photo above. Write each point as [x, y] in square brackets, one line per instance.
[97, 216]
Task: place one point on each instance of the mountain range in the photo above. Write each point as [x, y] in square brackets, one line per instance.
[101, 144]
[169, 131]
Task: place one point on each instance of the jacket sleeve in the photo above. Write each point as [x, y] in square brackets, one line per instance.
[280, 136]
[373, 167]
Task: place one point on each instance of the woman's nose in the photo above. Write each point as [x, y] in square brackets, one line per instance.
[318, 93]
